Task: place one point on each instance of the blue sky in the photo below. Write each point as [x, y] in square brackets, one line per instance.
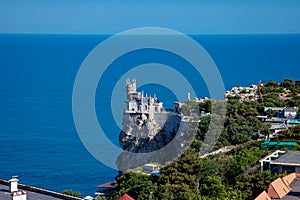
[107, 17]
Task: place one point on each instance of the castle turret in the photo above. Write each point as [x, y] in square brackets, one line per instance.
[130, 87]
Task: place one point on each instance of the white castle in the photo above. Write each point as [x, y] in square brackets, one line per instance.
[137, 103]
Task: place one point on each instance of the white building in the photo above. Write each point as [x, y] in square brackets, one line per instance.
[290, 112]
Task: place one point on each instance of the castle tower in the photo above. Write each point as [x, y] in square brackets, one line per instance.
[188, 96]
[130, 87]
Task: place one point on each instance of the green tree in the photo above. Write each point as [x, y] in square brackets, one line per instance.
[272, 87]
[213, 188]
[298, 114]
[253, 185]
[72, 193]
[206, 107]
[291, 134]
[288, 83]
[271, 83]
[271, 113]
[137, 185]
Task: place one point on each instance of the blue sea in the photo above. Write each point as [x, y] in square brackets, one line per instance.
[38, 139]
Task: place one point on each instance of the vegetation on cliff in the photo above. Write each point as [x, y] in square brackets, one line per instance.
[221, 177]
[234, 175]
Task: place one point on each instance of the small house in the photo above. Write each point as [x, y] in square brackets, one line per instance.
[105, 189]
[288, 162]
[290, 112]
[149, 168]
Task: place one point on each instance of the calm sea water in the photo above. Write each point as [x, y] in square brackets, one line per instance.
[38, 139]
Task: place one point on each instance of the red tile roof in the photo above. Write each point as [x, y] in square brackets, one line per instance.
[107, 185]
[278, 189]
[263, 196]
[126, 197]
[287, 188]
[289, 178]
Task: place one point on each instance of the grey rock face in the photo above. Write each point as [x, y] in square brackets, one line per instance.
[140, 135]
[158, 140]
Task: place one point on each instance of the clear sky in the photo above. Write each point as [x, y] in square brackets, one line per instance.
[194, 16]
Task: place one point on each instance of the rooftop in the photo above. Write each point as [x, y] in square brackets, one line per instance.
[289, 158]
[5, 194]
[286, 188]
[278, 189]
[263, 196]
[291, 109]
[107, 185]
[295, 193]
[33, 193]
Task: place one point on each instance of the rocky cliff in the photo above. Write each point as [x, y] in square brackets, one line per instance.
[141, 135]
[145, 140]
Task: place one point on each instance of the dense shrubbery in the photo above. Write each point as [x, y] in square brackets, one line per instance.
[221, 177]
[271, 90]
[241, 123]
[291, 134]
[137, 185]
